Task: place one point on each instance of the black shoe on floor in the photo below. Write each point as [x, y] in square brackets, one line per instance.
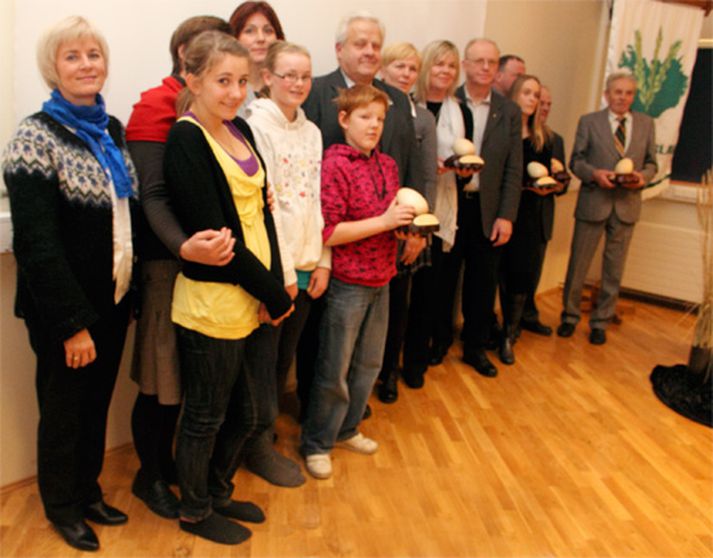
[157, 496]
[437, 354]
[597, 336]
[367, 412]
[414, 380]
[536, 326]
[565, 329]
[102, 513]
[478, 360]
[388, 391]
[79, 535]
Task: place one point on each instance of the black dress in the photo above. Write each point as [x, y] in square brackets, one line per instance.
[531, 231]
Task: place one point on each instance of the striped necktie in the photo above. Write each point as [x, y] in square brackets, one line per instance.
[620, 136]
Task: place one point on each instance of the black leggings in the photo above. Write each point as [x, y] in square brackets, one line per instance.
[153, 426]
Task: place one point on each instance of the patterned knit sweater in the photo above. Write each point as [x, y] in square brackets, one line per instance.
[60, 200]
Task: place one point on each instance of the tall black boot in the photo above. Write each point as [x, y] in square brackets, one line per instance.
[511, 316]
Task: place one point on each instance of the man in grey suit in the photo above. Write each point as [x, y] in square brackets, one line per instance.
[487, 204]
[603, 206]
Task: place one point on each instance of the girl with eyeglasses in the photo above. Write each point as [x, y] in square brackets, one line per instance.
[291, 146]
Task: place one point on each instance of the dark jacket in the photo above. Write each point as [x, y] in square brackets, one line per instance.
[398, 139]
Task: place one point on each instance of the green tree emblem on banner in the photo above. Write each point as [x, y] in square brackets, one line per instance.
[662, 83]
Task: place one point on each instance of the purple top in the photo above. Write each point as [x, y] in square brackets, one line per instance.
[250, 165]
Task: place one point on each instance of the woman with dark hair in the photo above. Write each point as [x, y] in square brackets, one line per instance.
[162, 245]
[256, 26]
[521, 256]
[71, 185]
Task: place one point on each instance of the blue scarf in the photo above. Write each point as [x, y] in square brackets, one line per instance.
[90, 125]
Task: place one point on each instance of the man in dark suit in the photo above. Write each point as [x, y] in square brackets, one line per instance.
[487, 204]
[358, 48]
[603, 138]
[358, 45]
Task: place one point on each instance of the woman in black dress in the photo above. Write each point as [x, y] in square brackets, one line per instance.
[532, 229]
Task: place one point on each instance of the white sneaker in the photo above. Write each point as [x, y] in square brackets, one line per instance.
[359, 443]
[319, 465]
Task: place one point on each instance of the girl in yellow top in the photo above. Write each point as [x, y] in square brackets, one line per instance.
[216, 179]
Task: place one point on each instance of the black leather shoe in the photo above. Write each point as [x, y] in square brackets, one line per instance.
[536, 327]
[157, 496]
[481, 363]
[102, 513]
[388, 391]
[79, 535]
[597, 336]
[414, 380]
[565, 329]
[437, 354]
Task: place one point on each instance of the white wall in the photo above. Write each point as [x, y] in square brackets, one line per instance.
[138, 33]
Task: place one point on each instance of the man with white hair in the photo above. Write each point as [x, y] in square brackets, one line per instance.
[605, 205]
[358, 43]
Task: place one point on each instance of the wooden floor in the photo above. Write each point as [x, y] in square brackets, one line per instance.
[566, 453]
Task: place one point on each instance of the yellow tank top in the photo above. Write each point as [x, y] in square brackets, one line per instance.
[224, 310]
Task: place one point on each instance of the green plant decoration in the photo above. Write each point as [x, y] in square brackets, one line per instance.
[661, 83]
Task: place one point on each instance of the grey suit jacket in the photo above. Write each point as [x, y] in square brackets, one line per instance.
[398, 139]
[501, 177]
[594, 149]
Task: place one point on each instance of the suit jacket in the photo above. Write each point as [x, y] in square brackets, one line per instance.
[594, 149]
[398, 139]
[501, 177]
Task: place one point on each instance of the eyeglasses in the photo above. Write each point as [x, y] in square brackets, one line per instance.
[482, 61]
[291, 78]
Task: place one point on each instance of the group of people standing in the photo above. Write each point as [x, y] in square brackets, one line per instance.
[261, 239]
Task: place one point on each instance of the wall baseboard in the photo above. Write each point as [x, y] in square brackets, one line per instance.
[4, 490]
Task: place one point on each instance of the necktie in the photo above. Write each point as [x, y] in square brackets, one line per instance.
[620, 136]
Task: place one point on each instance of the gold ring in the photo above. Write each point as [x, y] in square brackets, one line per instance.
[75, 358]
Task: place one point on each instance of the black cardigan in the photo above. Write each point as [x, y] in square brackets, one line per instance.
[202, 200]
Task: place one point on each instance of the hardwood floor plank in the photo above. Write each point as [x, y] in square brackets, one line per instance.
[566, 453]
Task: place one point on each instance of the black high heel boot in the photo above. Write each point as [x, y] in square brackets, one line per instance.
[511, 316]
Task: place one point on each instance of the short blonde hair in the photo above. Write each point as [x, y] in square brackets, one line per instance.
[398, 51]
[68, 29]
[432, 52]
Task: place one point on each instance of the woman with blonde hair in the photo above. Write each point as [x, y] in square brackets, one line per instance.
[401, 63]
[521, 256]
[435, 88]
[71, 185]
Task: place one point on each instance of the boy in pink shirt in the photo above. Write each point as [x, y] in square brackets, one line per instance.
[359, 185]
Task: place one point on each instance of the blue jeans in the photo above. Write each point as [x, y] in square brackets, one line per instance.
[220, 412]
[352, 335]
